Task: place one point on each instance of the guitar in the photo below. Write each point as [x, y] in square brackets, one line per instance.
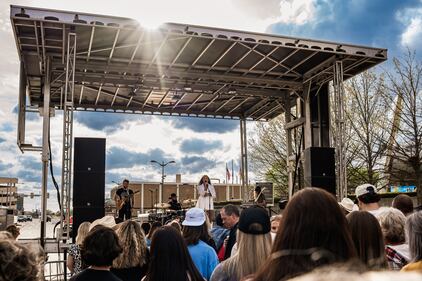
[124, 198]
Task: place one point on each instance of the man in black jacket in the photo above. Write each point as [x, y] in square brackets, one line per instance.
[230, 216]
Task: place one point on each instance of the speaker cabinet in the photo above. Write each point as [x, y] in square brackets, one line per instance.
[319, 168]
[81, 215]
[88, 180]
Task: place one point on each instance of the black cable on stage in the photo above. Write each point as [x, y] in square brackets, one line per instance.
[57, 189]
[52, 172]
[297, 160]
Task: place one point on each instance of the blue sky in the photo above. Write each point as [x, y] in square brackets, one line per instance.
[197, 145]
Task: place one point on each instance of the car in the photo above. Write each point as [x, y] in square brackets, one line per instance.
[28, 217]
[22, 218]
[48, 218]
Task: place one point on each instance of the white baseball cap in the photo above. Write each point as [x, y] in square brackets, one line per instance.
[194, 217]
[365, 189]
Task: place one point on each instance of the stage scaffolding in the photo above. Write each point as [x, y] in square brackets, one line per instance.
[85, 62]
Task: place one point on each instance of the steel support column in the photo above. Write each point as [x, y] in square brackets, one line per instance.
[244, 159]
[21, 105]
[45, 150]
[340, 129]
[67, 137]
[308, 115]
[289, 149]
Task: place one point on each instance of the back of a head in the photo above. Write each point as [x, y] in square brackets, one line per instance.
[132, 241]
[336, 273]
[14, 230]
[313, 219]
[253, 236]
[218, 220]
[392, 222]
[155, 225]
[231, 209]
[83, 230]
[367, 194]
[100, 247]
[6, 235]
[17, 262]
[170, 259]
[404, 203]
[146, 227]
[368, 239]
[414, 230]
[312, 233]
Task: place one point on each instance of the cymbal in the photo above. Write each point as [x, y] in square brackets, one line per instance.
[189, 201]
[162, 205]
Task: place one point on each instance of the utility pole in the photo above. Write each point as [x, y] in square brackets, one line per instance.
[162, 164]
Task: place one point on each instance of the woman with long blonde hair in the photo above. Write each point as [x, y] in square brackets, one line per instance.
[253, 246]
[74, 261]
[132, 263]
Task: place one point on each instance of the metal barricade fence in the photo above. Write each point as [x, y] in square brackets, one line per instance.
[56, 270]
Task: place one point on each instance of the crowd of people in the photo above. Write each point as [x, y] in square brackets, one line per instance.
[314, 238]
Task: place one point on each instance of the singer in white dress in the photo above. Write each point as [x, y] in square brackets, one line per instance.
[206, 197]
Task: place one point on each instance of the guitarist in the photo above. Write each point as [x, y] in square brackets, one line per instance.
[124, 201]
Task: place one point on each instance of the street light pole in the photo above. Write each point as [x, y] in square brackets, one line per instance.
[162, 164]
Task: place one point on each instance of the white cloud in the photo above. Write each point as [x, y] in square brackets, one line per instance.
[217, 13]
[412, 36]
[297, 11]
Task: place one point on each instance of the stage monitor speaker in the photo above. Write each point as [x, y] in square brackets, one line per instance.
[88, 180]
[319, 168]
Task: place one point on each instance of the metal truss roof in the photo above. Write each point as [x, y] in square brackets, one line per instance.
[177, 69]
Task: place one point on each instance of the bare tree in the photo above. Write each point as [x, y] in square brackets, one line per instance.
[267, 152]
[366, 114]
[405, 98]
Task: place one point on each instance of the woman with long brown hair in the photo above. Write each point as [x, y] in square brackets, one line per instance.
[170, 259]
[368, 239]
[313, 232]
[132, 264]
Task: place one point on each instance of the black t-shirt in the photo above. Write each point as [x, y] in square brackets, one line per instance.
[174, 205]
[125, 194]
[97, 275]
[130, 274]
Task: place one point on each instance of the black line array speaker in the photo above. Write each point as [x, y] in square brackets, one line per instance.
[88, 180]
[319, 168]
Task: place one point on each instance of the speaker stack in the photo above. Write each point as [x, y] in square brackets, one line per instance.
[88, 180]
[319, 168]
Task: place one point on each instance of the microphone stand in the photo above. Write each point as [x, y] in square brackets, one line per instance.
[152, 198]
[156, 201]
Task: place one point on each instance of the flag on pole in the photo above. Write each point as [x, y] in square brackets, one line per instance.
[227, 174]
[240, 173]
[232, 172]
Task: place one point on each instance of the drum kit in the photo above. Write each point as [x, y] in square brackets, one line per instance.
[167, 215]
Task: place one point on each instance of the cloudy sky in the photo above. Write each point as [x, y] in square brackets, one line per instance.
[197, 145]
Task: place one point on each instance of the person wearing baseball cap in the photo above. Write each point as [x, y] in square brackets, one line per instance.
[253, 246]
[197, 237]
[368, 198]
